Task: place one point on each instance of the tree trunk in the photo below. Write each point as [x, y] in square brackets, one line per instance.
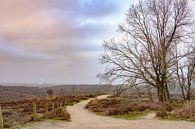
[149, 93]
[189, 91]
[163, 93]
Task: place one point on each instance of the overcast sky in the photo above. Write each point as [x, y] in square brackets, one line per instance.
[58, 41]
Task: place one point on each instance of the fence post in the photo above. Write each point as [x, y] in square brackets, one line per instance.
[65, 101]
[60, 104]
[34, 111]
[1, 118]
[46, 109]
[53, 106]
[57, 104]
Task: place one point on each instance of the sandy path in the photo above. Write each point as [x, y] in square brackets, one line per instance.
[83, 119]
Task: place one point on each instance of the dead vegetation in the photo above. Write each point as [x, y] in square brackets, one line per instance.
[186, 112]
[19, 92]
[60, 114]
[27, 110]
[124, 108]
[118, 106]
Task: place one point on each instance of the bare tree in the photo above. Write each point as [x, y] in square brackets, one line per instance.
[186, 75]
[146, 52]
[62, 92]
[50, 92]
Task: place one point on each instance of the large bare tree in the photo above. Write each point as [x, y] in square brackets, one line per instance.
[145, 53]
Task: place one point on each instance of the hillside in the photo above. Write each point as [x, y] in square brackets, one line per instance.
[9, 93]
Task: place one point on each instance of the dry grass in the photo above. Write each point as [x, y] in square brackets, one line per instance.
[59, 113]
[20, 112]
[122, 106]
[187, 112]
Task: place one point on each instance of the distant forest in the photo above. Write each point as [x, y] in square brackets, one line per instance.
[9, 93]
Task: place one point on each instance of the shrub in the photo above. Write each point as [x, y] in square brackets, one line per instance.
[15, 118]
[186, 112]
[59, 113]
[116, 106]
[162, 113]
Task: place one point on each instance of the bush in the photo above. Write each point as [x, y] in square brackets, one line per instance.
[116, 106]
[186, 112]
[59, 113]
[15, 118]
[162, 113]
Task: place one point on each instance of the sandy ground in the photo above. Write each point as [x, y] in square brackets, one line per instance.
[83, 119]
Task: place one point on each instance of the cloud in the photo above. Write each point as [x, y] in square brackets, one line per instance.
[57, 40]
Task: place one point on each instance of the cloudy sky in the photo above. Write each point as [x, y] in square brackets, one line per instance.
[58, 41]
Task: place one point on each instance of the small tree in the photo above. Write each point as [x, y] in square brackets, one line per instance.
[62, 92]
[186, 75]
[50, 92]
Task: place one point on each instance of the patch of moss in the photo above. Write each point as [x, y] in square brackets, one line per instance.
[173, 117]
[17, 127]
[131, 115]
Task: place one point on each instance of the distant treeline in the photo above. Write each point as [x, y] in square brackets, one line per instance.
[8, 93]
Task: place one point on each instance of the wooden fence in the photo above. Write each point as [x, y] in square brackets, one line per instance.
[35, 106]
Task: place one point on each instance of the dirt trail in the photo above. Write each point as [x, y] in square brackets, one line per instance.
[83, 119]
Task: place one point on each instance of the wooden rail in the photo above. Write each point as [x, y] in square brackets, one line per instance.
[34, 106]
